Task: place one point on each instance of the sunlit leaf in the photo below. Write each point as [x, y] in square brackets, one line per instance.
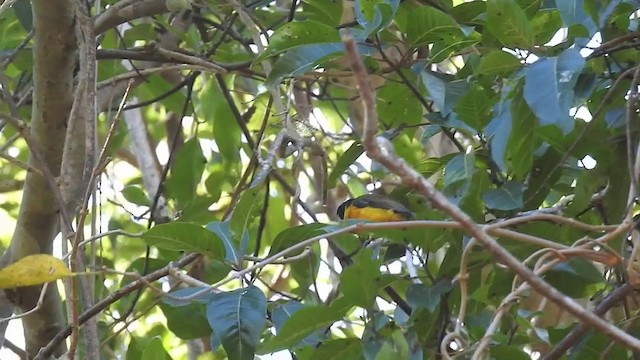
[33, 270]
[185, 237]
[509, 24]
[296, 34]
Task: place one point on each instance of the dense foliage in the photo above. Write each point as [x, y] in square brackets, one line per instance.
[233, 129]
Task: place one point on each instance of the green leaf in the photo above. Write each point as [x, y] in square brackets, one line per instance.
[498, 131]
[498, 62]
[154, 350]
[344, 161]
[548, 88]
[359, 282]
[576, 278]
[506, 197]
[338, 349]
[460, 168]
[298, 33]
[374, 15]
[296, 234]
[509, 352]
[326, 12]
[243, 214]
[186, 171]
[282, 312]
[185, 237]
[396, 348]
[572, 13]
[238, 318]
[135, 349]
[509, 24]
[521, 141]
[301, 59]
[233, 251]
[545, 25]
[474, 107]
[204, 296]
[427, 24]
[301, 324]
[217, 111]
[22, 9]
[545, 173]
[421, 296]
[187, 322]
[396, 105]
[444, 94]
[136, 195]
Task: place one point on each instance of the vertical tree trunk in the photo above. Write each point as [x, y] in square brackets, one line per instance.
[54, 56]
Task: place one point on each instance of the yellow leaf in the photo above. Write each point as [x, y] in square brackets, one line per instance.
[33, 270]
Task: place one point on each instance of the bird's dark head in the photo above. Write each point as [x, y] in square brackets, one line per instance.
[342, 208]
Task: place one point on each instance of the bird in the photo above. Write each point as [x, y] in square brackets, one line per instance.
[375, 208]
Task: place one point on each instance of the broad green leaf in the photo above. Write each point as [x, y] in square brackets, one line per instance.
[474, 107]
[545, 173]
[136, 195]
[359, 282]
[498, 62]
[396, 348]
[428, 297]
[243, 215]
[572, 13]
[301, 324]
[187, 322]
[548, 88]
[186, 171]
[445, 94]
[589, 182]
[175, 300]
[374, 15]
[426, 24]
[344, 161]
[575, 278]
[326, 12]
[155, 350]
[397, 105]
[506, 197]
[296, 234]
[185, 237]
[509, 24]
[298, 33]
[215, 110]
[509, 352]
[22, 9]
[282, 312]
[221, 228]
[301, 59]
[338, 349]
[530, 7]
[521, 141]
[238, 318]
[471, 12]
[135, 349]
[545, 25]
[460, 168]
